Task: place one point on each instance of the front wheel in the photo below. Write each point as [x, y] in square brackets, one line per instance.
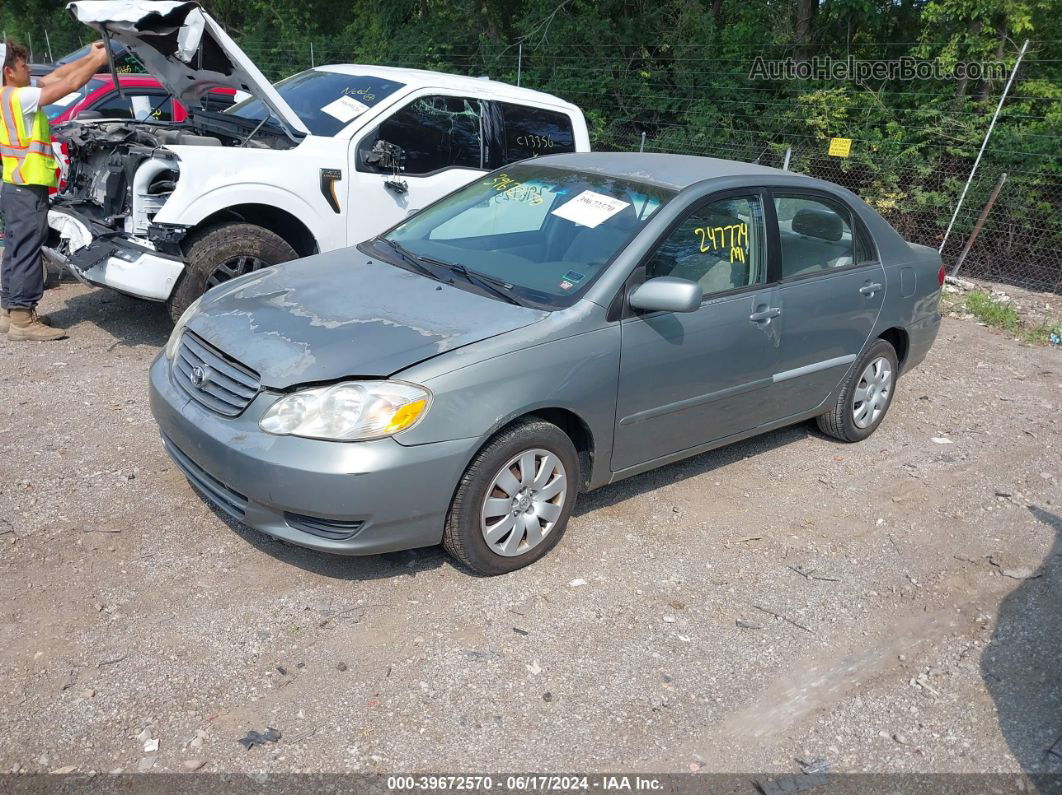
[513, 502]
[865, 397]
[219, 253]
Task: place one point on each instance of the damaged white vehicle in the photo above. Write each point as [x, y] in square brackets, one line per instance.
[324, 159]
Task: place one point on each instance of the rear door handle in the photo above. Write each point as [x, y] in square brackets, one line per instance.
[765, 314]
[870, 288]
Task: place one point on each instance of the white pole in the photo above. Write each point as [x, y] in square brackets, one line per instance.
[519, 63]
[788, 154]
[984, 144]
[48, 41]
[312, 64]
[641, 147]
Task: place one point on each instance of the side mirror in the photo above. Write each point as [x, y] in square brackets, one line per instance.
[667, 294]
[386, 156]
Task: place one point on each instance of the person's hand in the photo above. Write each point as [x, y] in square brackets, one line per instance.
[99, 52]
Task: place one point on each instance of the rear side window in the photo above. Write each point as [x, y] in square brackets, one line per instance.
[816, 235]
[529, 132]
[434, 133]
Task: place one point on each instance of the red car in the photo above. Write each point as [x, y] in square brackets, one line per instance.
[144, 98]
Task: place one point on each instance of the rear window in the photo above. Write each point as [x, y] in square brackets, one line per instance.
[530, 132]
[326, 102]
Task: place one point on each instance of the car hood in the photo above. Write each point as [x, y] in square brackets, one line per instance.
[184, 48]
[341, 314]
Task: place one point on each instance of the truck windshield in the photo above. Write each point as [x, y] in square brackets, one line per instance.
[543, 234]
[325, 101]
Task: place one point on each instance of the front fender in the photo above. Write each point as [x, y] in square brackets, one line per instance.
[185, 210]
[578, 374]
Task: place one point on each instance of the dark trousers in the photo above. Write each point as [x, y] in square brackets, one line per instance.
[25, 211]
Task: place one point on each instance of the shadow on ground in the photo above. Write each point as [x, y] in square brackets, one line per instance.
[1022, 666]
[130, 321]
[690, 468]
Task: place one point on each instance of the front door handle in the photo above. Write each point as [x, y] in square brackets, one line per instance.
[765, 314]
[869, 288]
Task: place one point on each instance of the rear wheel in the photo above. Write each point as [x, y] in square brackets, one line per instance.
[513, 502]
[220, 253]
[865, 396]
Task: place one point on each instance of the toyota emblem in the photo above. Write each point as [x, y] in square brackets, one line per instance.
[199, 377]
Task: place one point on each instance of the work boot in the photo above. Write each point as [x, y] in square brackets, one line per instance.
[5, 320]
[25, 325]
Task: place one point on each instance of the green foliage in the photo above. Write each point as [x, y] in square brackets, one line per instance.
[677, 71]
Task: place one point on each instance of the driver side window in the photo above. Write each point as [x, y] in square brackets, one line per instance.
[720, 245]
[434, 133]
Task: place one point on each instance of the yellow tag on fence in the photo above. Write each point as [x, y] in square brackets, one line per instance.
[840, 147]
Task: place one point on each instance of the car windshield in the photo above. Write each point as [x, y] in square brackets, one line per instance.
[541, 234]
[64, 103]
[325, 101]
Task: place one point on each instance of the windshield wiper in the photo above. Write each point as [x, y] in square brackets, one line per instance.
[496, 287]
[409, 258]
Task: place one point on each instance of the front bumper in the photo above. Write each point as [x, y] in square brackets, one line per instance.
[112, 261]
[347, 498]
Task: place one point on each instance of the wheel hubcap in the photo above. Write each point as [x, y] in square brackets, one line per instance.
[233, 267]
[872, 393]
[523, 503]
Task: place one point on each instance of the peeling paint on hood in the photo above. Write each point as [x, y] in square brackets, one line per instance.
[184, 48]
[342, 314]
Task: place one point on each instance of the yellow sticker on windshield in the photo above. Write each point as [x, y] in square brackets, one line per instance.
[514, 190]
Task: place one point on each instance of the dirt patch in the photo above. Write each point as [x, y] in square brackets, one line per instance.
[784, 597]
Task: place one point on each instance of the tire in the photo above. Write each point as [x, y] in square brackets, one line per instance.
[852, 420]
[464, 536]
[237, 247]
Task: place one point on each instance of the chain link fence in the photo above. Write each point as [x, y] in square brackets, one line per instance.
[915, 188]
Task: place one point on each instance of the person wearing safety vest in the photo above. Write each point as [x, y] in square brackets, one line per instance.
[29, 170]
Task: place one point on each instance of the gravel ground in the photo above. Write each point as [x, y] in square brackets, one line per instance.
[889, 606]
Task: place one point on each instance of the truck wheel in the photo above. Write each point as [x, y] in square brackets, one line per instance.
[219, 253]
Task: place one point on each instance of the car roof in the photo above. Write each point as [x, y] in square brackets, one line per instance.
[423, 78]
[665, 170]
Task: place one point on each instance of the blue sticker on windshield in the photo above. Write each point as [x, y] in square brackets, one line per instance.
[574, 277]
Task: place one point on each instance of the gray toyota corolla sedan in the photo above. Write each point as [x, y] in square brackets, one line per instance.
[551, 328]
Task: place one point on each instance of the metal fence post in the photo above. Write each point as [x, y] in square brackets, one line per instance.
[519, 62]
[988, 135]
[980, 222]
[788, 154]
[641, 146]
[312, 64]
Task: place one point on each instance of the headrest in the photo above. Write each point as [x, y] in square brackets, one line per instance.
[818, 223]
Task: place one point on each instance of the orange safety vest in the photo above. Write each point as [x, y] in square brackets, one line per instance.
[28, 159]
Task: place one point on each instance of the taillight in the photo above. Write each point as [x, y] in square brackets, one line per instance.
[940, 275]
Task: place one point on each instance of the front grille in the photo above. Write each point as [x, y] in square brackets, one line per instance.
[325, 528]
[227, 387]
[229, 500]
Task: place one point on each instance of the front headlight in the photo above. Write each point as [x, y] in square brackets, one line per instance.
[348, 412]
[175, 335]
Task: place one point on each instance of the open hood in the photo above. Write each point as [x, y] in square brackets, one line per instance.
[184, 48]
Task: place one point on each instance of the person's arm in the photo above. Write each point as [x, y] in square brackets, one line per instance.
[70, 77]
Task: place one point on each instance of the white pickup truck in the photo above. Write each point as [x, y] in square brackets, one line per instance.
[324, 159]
